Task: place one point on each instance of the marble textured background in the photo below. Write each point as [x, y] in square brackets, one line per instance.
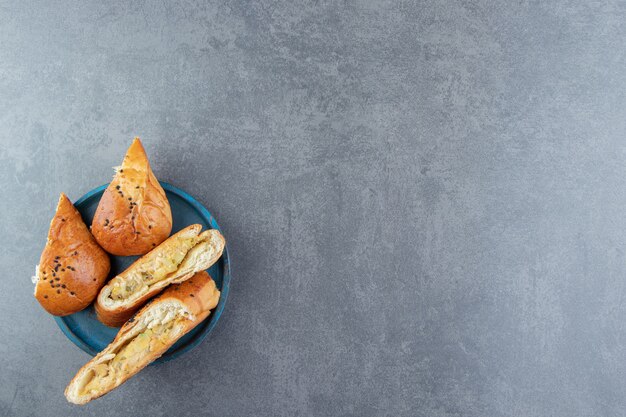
[424, 200]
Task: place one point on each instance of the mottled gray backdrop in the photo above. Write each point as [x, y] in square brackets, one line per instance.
[424, 201]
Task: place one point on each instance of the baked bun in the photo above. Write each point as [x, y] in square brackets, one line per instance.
[145, 337]
[72, 267]
[172, 262]
[133, 215]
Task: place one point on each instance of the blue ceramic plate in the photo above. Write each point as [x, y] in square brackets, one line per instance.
[84, 329]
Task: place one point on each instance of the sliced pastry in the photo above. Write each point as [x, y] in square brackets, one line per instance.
[173, 261]
[145, 337]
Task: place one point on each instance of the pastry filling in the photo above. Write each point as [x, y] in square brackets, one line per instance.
[152, 335]
[158, 266]
[35, 278]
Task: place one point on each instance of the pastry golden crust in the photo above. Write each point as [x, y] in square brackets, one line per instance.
[72, 267]
[145, 337]
[173, 261]
[133, 215]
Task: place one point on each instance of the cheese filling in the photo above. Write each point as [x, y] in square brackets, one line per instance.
[35, 278]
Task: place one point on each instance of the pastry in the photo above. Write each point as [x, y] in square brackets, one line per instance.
[72, 267]
[173, 261]
[133, 215]
[145, 337]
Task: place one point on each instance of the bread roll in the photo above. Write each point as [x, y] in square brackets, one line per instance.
[145, 337]
[72, 267]
[173, 261]
[133, 215]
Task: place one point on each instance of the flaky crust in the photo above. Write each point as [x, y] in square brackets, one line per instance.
[133, 215]
[199, 294]
[72, 267]
[116, 316]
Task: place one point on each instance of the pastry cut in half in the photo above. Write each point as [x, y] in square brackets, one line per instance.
[173, 261]
[133, 215]
[72, 267]
[145, 337]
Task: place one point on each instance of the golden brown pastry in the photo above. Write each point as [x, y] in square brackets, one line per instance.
[145, 337]
[72, 267]
[172, 262]
[133, 215]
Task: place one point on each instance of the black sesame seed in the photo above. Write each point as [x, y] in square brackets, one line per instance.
[154, 244]
[149, 226]
[57, 257]
[72, 292]
[117, 187]
[63, 270]
[121, 170]
[130, 198]
[94, 280]
[63, 286]
[62, 220]
[75, 252]
[191, 295]
[57, 279]
[136, 187]
[45, 296]
[58, 291]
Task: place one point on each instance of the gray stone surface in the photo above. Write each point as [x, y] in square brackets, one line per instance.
[424, 201]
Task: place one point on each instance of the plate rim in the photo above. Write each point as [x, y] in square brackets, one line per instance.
[215, 314]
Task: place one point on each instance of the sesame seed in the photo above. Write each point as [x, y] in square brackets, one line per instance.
[45, 296]
[63, 286]
[117, 187]
[58, 291]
